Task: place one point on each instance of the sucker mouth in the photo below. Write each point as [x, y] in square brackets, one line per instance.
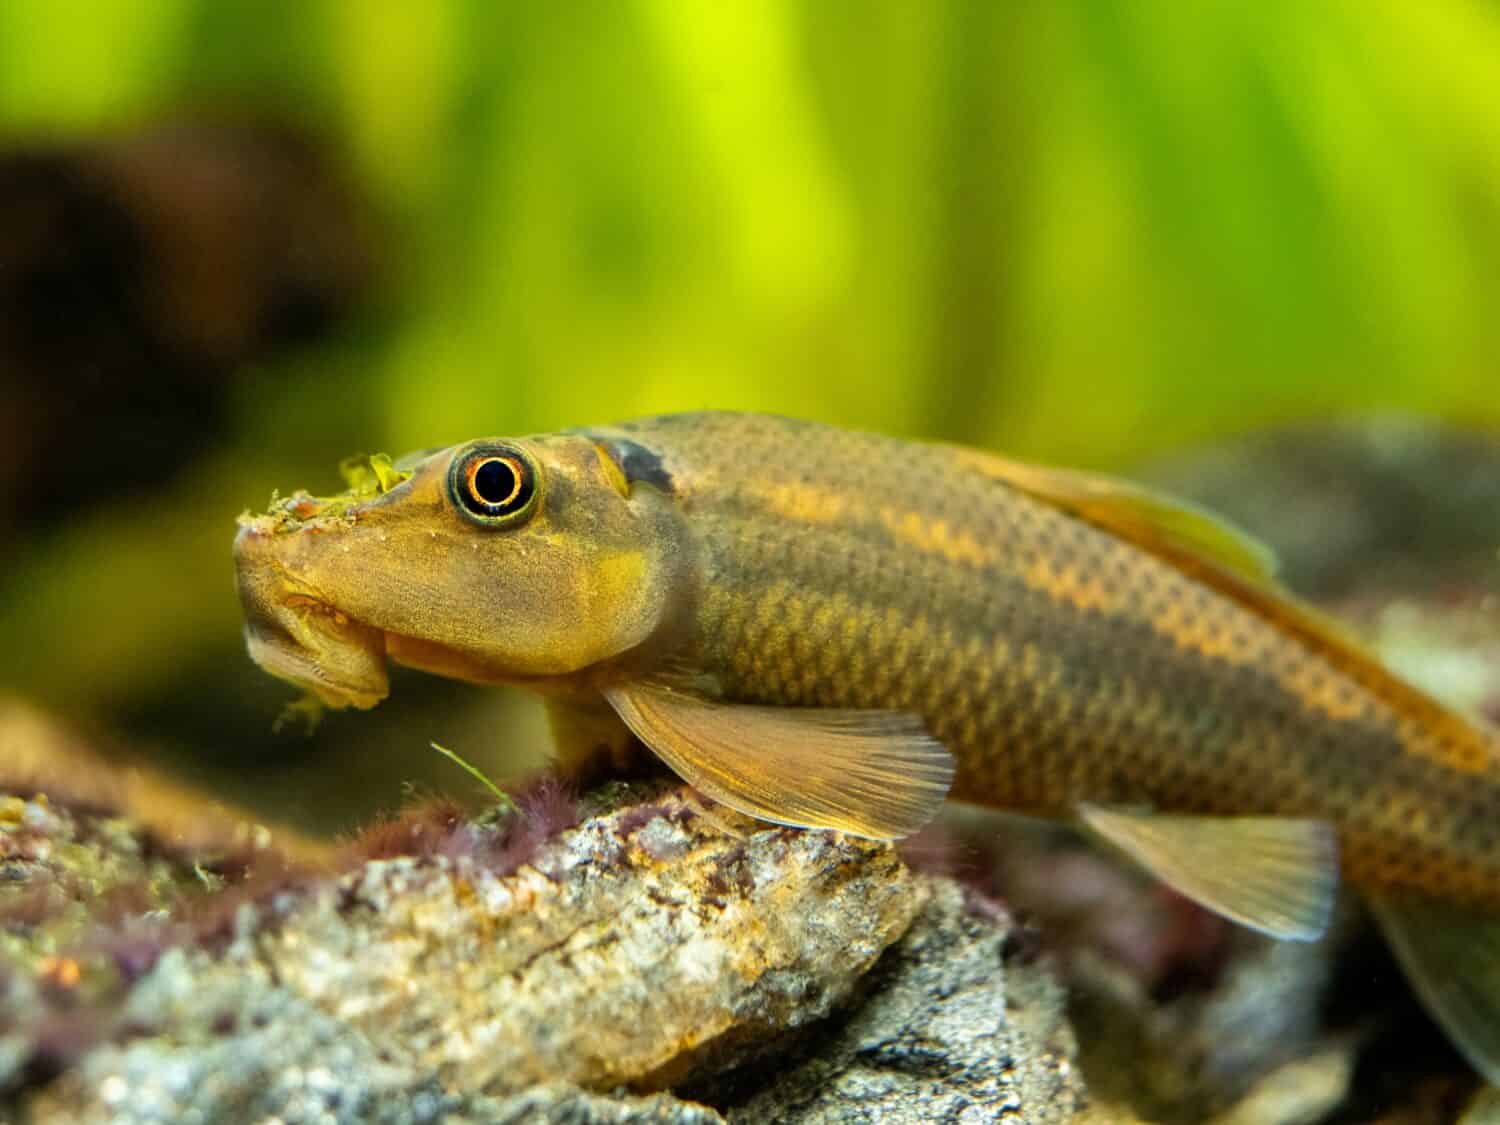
[344, 667]
[311, 643]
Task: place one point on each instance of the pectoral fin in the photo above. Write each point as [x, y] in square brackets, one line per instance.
[869, 773]
[1273, 874]
[1452, 957]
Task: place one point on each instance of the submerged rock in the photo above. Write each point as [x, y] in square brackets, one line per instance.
[949, 1029]
[618, 956]
[642, 965]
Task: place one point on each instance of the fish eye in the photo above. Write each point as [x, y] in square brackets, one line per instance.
[493, 484]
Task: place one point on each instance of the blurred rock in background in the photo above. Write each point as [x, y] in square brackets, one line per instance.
[143, 274]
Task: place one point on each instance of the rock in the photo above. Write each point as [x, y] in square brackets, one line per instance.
[620, 955]
[642, 965]
[1197, 1054]
[948, 1030]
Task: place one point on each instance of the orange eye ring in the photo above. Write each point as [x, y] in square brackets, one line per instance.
[493, 483]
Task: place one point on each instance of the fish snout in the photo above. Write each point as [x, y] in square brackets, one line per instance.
[297, 636]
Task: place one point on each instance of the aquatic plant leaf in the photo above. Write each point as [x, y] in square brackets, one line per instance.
[502, 798]
[306, 711]
[369, 476]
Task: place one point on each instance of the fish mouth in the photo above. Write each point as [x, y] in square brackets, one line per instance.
[318, 648]
[344, 662]
[297, 636]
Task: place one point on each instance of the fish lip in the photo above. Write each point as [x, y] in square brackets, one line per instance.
[298, 636]
[282, 656]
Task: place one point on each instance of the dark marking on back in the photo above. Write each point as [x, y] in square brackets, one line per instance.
[639, 464]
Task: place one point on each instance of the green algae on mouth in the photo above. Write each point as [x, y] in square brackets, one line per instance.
[306, 711]
[369, 476]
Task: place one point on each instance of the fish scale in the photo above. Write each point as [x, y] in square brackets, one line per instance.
[1113, 676]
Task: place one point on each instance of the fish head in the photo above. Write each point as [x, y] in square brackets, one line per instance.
[501, 560]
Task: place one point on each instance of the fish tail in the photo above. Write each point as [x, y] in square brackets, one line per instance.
[1451, 954]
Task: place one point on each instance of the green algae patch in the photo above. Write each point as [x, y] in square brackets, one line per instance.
[502, 798]
[369, 477]
[305, 712]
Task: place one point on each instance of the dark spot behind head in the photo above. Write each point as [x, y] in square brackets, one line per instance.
[639, 464]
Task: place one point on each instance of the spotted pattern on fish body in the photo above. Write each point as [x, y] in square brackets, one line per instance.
[1058, 662]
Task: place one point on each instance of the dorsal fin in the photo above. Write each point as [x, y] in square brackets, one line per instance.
[1193, 540]
[1135, 512]
[1222, 558]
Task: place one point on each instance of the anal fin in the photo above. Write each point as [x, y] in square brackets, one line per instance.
[1452, 957]
[1277, 875]
[877, 774]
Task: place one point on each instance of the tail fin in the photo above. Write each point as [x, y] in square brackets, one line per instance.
[1452, 956]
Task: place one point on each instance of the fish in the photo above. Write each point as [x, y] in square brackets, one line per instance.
[825, 628]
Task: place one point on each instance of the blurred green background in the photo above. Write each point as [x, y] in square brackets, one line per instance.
[240, 240]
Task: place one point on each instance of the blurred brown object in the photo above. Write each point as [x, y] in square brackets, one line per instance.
[40, 755]
[137, 274]
[1360, 509]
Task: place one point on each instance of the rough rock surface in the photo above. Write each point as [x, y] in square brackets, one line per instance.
[782, 975]
[948, 1030]
[615, 957]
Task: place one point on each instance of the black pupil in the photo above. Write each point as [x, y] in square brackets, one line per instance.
[495, 482]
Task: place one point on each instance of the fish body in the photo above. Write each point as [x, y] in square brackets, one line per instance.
[1059, 662]
[831, 628]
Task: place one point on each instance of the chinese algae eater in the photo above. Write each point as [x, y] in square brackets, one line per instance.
[833, 629]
